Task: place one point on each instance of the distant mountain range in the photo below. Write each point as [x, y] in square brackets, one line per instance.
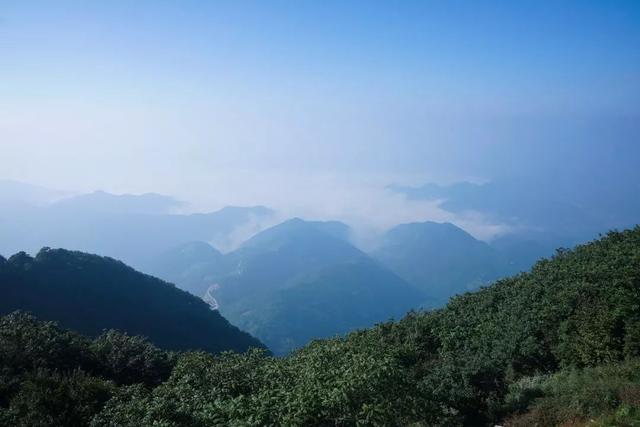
[193, 265]
[89, 293]
[15, 195]
[298, 280]
[100, 202]
[440, 259]
[545, 209]
[133, 228]
[294, 282]
[301, 280]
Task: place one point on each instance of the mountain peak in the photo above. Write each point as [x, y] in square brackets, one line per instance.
[439, 258]
[428, 230]
[297, 230]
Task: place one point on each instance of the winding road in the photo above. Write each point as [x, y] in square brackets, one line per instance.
[208, 297]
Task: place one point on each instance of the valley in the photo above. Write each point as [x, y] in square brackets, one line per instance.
[358, 213]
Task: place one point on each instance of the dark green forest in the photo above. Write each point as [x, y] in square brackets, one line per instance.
[558, 345]
[89, 293]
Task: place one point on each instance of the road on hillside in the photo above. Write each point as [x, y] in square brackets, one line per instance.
[209, 298]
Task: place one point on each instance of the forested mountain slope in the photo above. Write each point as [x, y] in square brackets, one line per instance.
[89, 293]
[267, 260]
[192, 266]
[466, 364]
[301, 280]
[292, 282]
[334, 301]
[559, 345]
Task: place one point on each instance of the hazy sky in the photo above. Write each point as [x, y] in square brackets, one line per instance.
[313, 107]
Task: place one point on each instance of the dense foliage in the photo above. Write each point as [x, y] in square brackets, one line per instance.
[557, 345]
[601, 396]
[89, 293]
[52, 377]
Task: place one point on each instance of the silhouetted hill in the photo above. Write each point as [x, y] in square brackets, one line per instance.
[558, 208]
[336, 300]
[194, 265]
[299, 280]
[440, 259]
[336, 229]
[520, 252]
[287, 251]
[89, 293]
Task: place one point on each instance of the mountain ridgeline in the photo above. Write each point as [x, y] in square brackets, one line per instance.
[440, 259]
[133, 228]
[301, 280]
[89, 293]
[559, 345]
[294, 282]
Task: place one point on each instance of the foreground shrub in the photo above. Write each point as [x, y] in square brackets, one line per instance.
[604, 394]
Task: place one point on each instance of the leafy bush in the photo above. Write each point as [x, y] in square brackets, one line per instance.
[52, 377]
[542, 348]
[607, 393]
[130, 360]
[52, 399]
[27, 344]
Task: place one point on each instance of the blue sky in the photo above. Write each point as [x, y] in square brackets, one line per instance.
[268, 101]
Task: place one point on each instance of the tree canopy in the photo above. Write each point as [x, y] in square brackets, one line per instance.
[557, 344]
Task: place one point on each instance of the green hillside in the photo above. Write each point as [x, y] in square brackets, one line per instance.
[89, 293]
[192, 266]
[556, 346]
[335, 301]
[293, 282]
[299, 280]
[454, 366]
